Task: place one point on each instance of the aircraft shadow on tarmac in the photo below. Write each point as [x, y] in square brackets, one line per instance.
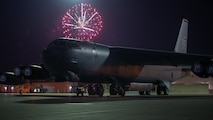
[86, 99]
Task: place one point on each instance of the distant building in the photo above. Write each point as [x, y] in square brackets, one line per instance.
[47, 87]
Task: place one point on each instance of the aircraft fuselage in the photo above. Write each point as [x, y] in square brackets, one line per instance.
[90, 62]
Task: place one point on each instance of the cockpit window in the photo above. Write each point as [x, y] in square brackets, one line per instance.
[73, 45]
[64, 43]
[52, 43]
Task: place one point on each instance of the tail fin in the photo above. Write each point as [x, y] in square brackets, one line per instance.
[181, 44]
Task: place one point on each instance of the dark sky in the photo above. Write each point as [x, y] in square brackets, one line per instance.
[27, 26]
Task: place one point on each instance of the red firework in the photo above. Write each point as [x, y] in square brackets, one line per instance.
[82, 22]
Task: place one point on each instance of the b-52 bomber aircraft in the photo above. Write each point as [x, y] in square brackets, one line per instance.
[125, 68]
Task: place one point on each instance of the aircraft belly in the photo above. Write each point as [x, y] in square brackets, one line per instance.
[122, 71]
[145, 74]
[152, 73]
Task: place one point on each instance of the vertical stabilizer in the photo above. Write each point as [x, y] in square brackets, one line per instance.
[181, 44]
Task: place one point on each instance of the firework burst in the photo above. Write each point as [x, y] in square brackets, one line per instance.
[82, 22]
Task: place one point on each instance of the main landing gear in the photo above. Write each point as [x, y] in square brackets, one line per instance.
[97, 89]
[116, 89]
[145, 92]
[162, 89]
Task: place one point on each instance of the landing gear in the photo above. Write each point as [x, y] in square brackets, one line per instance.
[162, 89]
[145, 92]
[80, 91]
[116, 89]
[96, 89]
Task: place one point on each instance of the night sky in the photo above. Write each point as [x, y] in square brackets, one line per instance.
[28, 26]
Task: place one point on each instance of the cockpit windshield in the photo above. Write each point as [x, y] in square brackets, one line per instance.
[64, 43]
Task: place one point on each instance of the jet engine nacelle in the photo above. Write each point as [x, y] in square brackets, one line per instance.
[31, 72]
[9, 78]
[141, 87]
[35, 72]
[203, 69]
[18, 71]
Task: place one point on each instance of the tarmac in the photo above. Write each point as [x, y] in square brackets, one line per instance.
[60, 106]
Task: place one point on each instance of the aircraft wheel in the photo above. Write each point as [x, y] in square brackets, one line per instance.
[165, 91]
[96, 89]
[91, 89]
[100, 90]
[116, 89]
[148, 92]
[141, 92]
[159, 90]
[113, 90]
[121, 91]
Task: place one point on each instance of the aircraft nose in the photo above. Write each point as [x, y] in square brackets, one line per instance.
[51, 56]
[54, 59]
[54, 54]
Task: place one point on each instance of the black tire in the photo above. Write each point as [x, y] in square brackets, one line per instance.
[116, 89]
[91, 90]
[165, 91]
[148, 92]
[121, 91]
[112, 90]
[159, 90]
[100, 90]
[141, 92]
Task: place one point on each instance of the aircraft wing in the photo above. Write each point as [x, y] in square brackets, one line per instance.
[137, 56]
[132, 56]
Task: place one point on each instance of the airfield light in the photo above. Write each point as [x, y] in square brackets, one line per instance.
[12, 88]
[82, 21]
[5, 88]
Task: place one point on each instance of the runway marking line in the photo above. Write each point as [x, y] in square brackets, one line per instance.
[94, 112]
